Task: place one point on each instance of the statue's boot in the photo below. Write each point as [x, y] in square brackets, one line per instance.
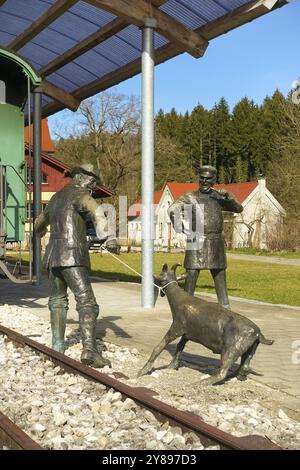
[90, 354]
[58, 326]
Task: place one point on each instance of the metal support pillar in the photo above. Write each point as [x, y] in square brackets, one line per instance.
[148, 163]
[37, 180]
[3, 233]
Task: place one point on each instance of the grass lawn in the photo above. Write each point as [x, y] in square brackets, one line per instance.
[259, 281]
[249, 279]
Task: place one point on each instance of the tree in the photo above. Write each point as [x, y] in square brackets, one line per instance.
[199, 137]
[171, 162]
[220, 126]
[272, 125]
[284, 170]
[108, 137]
[169, 124]
[283, 173]
[240, 170]
[244, 140]
[252, 225]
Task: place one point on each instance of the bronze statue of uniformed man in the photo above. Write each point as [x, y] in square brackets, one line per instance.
[205, 250]
[67, 259]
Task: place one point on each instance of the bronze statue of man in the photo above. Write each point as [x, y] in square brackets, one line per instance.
[205, 248]
[67, 259]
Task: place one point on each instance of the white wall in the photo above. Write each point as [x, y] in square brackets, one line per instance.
[164, 230]
[261, 211]
[135, 232]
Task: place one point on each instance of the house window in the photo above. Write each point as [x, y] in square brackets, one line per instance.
[30, 173]
[2, 92]
[29, 213]
[161, 227]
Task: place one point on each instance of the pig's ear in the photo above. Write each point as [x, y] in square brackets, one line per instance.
[182, 277]
[165, 268]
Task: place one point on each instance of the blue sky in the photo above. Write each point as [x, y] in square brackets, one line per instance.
[252, 61]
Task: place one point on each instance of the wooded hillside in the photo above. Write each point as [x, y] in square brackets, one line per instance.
[248, 142]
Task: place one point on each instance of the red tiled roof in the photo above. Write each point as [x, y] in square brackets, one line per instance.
[47, 145]
[157, 196]
[102, 191]
[178, 189]
[135, 209]
[239, 190]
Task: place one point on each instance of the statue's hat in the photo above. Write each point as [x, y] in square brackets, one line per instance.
[207, 170]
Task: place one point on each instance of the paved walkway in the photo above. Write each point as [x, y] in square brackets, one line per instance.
[126, 323]
[266, 259]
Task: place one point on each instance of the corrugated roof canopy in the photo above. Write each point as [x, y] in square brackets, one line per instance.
[83, 47]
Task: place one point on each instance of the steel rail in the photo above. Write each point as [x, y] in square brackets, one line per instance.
[209, 435]
[14, 438]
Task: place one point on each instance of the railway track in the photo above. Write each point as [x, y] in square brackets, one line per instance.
[14, 438]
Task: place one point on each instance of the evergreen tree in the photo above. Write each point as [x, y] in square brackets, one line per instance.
[220, 125]
[199, 137]
[183, 126]
[221, 173]
[272, 124]
[245, 134]
[171, 162]
[169, 124]
[239, 144]
[240, 170]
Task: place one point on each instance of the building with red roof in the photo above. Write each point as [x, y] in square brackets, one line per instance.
[240, 191]
[262, 214]
[55, 173]
[47, 145]
[136, 208]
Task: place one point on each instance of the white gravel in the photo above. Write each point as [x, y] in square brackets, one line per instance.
[63, 411]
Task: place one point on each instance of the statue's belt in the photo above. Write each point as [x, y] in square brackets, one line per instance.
[208, 236]
[58, 237]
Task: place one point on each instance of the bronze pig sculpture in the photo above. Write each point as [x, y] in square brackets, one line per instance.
[215, 327]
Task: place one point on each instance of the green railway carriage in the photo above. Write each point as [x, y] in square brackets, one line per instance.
[17, 78]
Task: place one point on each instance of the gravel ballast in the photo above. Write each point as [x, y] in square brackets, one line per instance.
[63, 411]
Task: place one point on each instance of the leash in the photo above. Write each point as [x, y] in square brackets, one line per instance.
[11, 275]
[160, 289]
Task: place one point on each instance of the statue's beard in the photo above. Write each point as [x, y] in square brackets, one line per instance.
[90, 184]
[85, 181]
[205, 188]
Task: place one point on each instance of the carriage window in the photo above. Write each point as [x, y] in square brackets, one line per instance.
[44, 178]
[2, 92]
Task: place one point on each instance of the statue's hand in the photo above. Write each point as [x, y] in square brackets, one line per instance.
[219, 194]
[112, 246]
